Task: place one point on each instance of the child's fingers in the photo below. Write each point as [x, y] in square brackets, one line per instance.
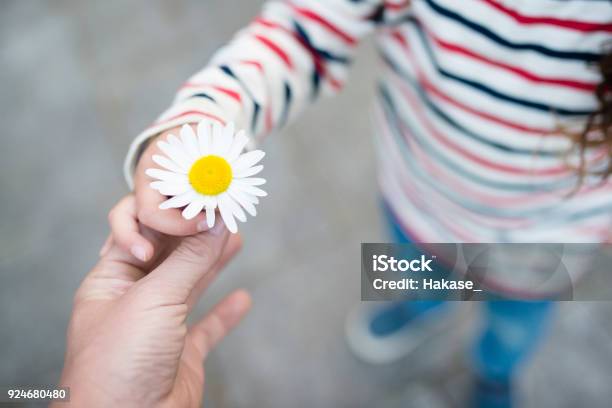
[169, 221]
[125, 231]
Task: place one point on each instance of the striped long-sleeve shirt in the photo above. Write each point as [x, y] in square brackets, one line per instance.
[471, 101]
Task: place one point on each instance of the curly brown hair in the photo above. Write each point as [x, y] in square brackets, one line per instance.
[597, 132]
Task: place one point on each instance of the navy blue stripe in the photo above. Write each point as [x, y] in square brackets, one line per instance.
[529, 186]
[285, 115]
[326, 55]
[488, 90]
[203, 95]
[316, 85]
[546, 212]
[315, 76]
[571, 55]
[437, 111]
[256, 107]
[323, 54]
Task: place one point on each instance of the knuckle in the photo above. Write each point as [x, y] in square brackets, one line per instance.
[198, 249]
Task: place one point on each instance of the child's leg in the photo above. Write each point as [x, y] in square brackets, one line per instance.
[511, 331]
[385, 333]
[402, 311]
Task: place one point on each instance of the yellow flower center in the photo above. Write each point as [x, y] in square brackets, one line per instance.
[210, 175]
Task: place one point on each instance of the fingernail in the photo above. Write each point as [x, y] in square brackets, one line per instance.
[139, 252]
[202, 226]
[218, 228]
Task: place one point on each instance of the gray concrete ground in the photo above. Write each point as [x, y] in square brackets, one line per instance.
[80, 79]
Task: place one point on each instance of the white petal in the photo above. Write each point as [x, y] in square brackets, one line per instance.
[176, 154]
[253, 181]
[179, 200]
[210, 201]
[193, 209]
[190, 142]
[247, 160]
[227, 201]
[178, 145]
[243, 199]
[252, 198]
[229, 129]
[251, 171]
[240, 141]
[256, 191]
[217, 138]
[228, 137]
[168, 164]
[210, 216]
[165, 175]
[204, 137]
[228, 218]
[170, 189]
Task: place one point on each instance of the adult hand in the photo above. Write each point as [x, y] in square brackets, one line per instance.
[128, 342]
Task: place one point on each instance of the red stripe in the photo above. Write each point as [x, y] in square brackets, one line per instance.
[276, 49]
[426, 207]
[231, 93]
[271, 24]
[426, 160]
[430, 88]
[316, 59]
[311, 15]
[451, 178]
[318, 62]
[436, 170]
[441, 173]
[256, 64]
[585, 86]
[190, 112]
[396, 6]
[472, 156]
[570, 24]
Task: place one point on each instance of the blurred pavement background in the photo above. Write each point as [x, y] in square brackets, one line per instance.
[79, 79]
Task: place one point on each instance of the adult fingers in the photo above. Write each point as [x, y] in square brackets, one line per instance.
[125, 229]
[209, 331]
[107, 245]
[234, 243]
[175, 278]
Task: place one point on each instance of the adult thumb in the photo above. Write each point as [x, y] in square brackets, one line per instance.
[189, 262]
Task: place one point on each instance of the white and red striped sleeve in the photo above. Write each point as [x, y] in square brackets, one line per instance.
[285, 58]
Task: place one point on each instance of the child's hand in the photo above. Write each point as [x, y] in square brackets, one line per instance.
[143, 207]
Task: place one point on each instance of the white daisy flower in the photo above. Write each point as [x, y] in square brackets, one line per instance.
[208, 171]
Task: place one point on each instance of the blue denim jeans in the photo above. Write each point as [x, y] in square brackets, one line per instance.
[510, 332]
